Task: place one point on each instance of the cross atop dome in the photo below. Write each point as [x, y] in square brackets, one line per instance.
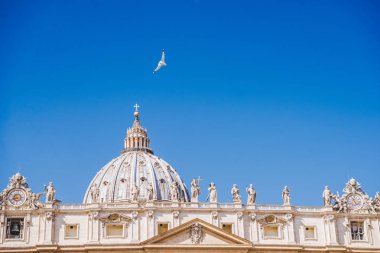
[136, 106]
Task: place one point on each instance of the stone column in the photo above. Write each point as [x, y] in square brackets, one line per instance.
[2, 225]
[254, 233]
[27, 223]
[49, 228]
[330, 229]
[135, 226]
[290, 228]
[239, 224]
[150, 222]
[175, 219]
[93, 227]
[215, 218]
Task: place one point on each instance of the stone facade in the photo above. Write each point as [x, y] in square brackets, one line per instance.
[149, 209]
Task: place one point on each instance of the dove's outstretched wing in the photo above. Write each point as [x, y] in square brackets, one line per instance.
[163, 56]
[158, 67]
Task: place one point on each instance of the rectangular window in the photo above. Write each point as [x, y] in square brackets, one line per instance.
[15, 228]
[162, 228]
[114, 230]
[357, 230]
[227, 227]
[271, 232]
[71, 231]
[310, 233]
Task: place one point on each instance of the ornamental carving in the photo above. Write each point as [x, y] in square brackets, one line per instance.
[289, 217]
[196, 233]
[93, 215]
[18, 195]
[135, 214]
[150, 213]
[328, 218]
[252, 216]
[176, 214]
[50, 216]
[355, 200]
[271, 219]
[114, 218]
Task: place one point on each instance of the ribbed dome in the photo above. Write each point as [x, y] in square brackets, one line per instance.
[136, 167]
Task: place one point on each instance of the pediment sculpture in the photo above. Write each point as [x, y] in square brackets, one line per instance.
[18, 195]
[272, 219]
[114, 218]
[354, 199]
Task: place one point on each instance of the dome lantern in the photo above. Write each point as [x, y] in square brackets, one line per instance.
[137, 137]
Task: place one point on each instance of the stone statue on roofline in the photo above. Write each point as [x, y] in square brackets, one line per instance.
[50, 193]
[212, 195]
[235, 194]
[251, 195]
[286, 196]
[195, 190]
[327, 196]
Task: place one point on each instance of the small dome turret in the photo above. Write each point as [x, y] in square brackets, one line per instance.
[137, 137]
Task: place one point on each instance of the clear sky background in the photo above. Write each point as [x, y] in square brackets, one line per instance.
[272, 93]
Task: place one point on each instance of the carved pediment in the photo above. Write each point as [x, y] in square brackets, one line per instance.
[271, 219]
[197, 233]
[114, 218]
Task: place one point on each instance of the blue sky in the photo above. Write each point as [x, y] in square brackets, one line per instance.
[272, 93]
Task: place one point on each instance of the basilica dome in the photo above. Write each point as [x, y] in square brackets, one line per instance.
[137, 174]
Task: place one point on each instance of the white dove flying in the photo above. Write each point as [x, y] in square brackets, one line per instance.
[161, 63]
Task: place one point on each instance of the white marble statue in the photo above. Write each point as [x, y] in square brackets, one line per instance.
[195, 190]
[135, 193]
[327, 196]
[50, 193]
[104, 191]
[376, 201]
[212, 195]
[149, 190]
[94, 193]
[235, 194]
[35, 202]
[352, 186]
[174, 193]
[286, 196]
[122, 189]
[251, 195]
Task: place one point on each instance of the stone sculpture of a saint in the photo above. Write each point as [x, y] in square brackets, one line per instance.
[286, 196]
[327, 196]
[195, 190]
[149, 190]
[235, 194]
[50, 193]
[135, 193]
[104, 191]
[174, 193]
[94, 193]
[251, 195]
[212, 193]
